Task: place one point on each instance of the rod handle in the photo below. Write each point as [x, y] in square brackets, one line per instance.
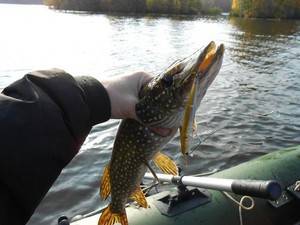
[262, 189]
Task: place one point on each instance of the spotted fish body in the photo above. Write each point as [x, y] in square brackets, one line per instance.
[136, 145]
[162, 104]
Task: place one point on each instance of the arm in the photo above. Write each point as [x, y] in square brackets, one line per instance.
[44, 117]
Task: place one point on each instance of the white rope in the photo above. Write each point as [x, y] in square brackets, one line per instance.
[297, 186]
[241, 205]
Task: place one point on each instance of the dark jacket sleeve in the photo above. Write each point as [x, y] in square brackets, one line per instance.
[44, 118]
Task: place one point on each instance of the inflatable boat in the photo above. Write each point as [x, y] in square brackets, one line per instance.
[191, 205]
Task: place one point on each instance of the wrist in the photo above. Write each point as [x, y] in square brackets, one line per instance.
[96, 97]
[121, 102]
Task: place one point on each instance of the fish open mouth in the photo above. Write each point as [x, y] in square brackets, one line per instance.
[210, 57]
[205, 65]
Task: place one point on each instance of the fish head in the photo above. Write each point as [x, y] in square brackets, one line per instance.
[162, 100]
[210, 64]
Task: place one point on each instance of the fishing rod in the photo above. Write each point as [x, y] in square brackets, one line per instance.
[267, 189]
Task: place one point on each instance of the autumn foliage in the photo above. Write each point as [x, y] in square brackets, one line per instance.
[266, 8]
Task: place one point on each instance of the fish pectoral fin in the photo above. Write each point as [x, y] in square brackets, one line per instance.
[139, 197]
[105, 187]
[109, 218]
[165, 164]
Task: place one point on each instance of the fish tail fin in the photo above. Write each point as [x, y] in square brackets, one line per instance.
[109, 218]
[105, 187]
[165, 164]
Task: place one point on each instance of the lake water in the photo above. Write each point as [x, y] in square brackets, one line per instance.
[252, 108]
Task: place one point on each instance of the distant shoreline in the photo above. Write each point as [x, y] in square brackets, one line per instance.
[185, 7]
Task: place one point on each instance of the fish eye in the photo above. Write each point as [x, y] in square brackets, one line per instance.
[168, 81]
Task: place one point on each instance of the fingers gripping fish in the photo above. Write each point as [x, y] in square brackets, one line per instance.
[162, 104]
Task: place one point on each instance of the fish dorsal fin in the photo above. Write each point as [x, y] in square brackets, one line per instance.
[105, 184]
[165, 164]
[109, 218]
[139, 197]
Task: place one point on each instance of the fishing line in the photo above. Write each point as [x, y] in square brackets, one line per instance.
[205, 173]
[177, 61]
[226, 65]
[253, 116]
[204, 139]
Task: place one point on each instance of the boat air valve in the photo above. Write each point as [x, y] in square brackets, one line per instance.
[291, 193]
[63, 220]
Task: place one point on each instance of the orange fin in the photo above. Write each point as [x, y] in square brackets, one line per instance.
[109, 218]
[139, 197]
[165, 164]
[105, 184]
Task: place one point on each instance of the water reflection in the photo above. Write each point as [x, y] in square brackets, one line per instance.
[265, 27]
[266, 43]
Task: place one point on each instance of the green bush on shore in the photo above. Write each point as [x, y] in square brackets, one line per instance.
[213, 11]
[266, 8]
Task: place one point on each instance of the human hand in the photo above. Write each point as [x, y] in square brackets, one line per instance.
[123, 93]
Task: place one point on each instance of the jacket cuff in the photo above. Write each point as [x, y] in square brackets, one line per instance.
[96, 98]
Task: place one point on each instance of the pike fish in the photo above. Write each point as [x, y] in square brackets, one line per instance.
[165, 102]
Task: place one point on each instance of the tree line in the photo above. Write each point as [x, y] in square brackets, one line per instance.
[144, 6]
[266, 8]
